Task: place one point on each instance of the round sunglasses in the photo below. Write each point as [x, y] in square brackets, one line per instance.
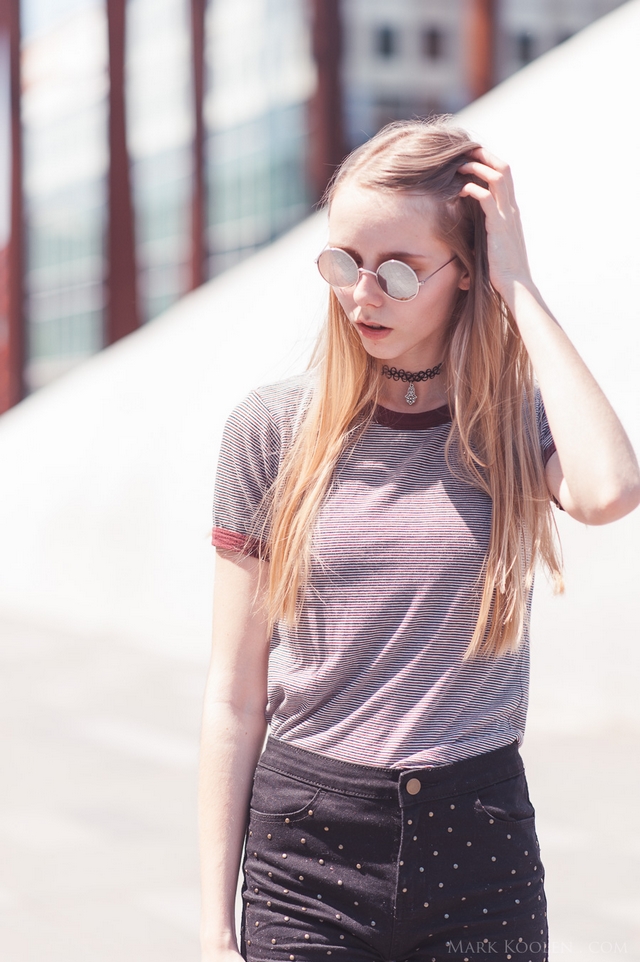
[397, 279]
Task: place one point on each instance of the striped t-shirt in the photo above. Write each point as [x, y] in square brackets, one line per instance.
[373, 673]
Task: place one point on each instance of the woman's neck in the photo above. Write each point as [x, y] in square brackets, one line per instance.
[429, 394]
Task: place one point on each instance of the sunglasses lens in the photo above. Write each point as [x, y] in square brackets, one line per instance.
[398, 280]
[338, 268]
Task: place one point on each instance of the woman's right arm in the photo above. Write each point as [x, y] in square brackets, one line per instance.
[233, 732]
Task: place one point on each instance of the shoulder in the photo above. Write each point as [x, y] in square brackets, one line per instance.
[275, 407]
[286, 401]
[256, 435]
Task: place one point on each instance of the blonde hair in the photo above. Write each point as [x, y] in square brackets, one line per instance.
[493, 441]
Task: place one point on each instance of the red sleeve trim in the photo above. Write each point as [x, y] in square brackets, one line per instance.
[234, 541]
[548, 451]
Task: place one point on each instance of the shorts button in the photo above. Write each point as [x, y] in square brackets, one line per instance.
[413, 786]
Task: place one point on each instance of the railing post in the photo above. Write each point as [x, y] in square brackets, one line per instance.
[198, 259]
[12, 312]
[326, 110]
[480, 46]
[122, 309]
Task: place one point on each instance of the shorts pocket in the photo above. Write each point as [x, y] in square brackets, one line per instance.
[506, 801]
[278, 796]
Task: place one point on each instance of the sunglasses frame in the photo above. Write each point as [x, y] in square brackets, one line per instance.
[362, 270]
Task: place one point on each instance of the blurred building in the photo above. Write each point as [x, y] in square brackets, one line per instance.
[418, 57]
[149, 144]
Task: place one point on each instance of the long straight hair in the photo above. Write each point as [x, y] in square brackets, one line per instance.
[493, 441]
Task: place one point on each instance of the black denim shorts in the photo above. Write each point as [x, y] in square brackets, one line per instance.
[364, 863]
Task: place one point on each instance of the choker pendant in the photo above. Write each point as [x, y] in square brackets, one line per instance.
[411, 397]
[399, 375]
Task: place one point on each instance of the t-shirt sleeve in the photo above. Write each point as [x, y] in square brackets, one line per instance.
[247, 468]
[547, 444]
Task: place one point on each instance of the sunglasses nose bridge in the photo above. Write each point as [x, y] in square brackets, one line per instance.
[363, 271]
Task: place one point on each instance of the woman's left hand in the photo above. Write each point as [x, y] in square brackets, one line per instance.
[506, 247]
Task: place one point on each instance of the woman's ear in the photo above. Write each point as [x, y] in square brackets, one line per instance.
[464, 281]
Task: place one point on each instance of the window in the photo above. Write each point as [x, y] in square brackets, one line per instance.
[260, 76]
[160, 132]
[524, 47]
[65, 116]
[433, 43]
[386, 41]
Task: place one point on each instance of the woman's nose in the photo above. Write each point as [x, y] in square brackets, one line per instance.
[367, 288]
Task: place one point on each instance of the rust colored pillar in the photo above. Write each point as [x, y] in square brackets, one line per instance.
[122, 310]
[480, 29]
[12, 314]
[327, 142]
[198, 259]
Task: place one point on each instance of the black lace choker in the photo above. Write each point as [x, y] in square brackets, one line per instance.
[399, 375]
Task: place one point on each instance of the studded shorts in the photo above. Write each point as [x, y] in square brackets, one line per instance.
[361, 863]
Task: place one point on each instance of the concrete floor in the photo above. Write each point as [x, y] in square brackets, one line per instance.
[98, 810]
[585, 790]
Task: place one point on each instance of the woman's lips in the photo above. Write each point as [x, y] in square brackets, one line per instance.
[375, 333]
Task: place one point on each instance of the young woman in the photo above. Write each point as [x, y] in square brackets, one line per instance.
[378, 521]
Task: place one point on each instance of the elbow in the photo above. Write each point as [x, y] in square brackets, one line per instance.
[614, 504]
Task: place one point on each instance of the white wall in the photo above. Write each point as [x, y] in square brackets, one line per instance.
[107, 474]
